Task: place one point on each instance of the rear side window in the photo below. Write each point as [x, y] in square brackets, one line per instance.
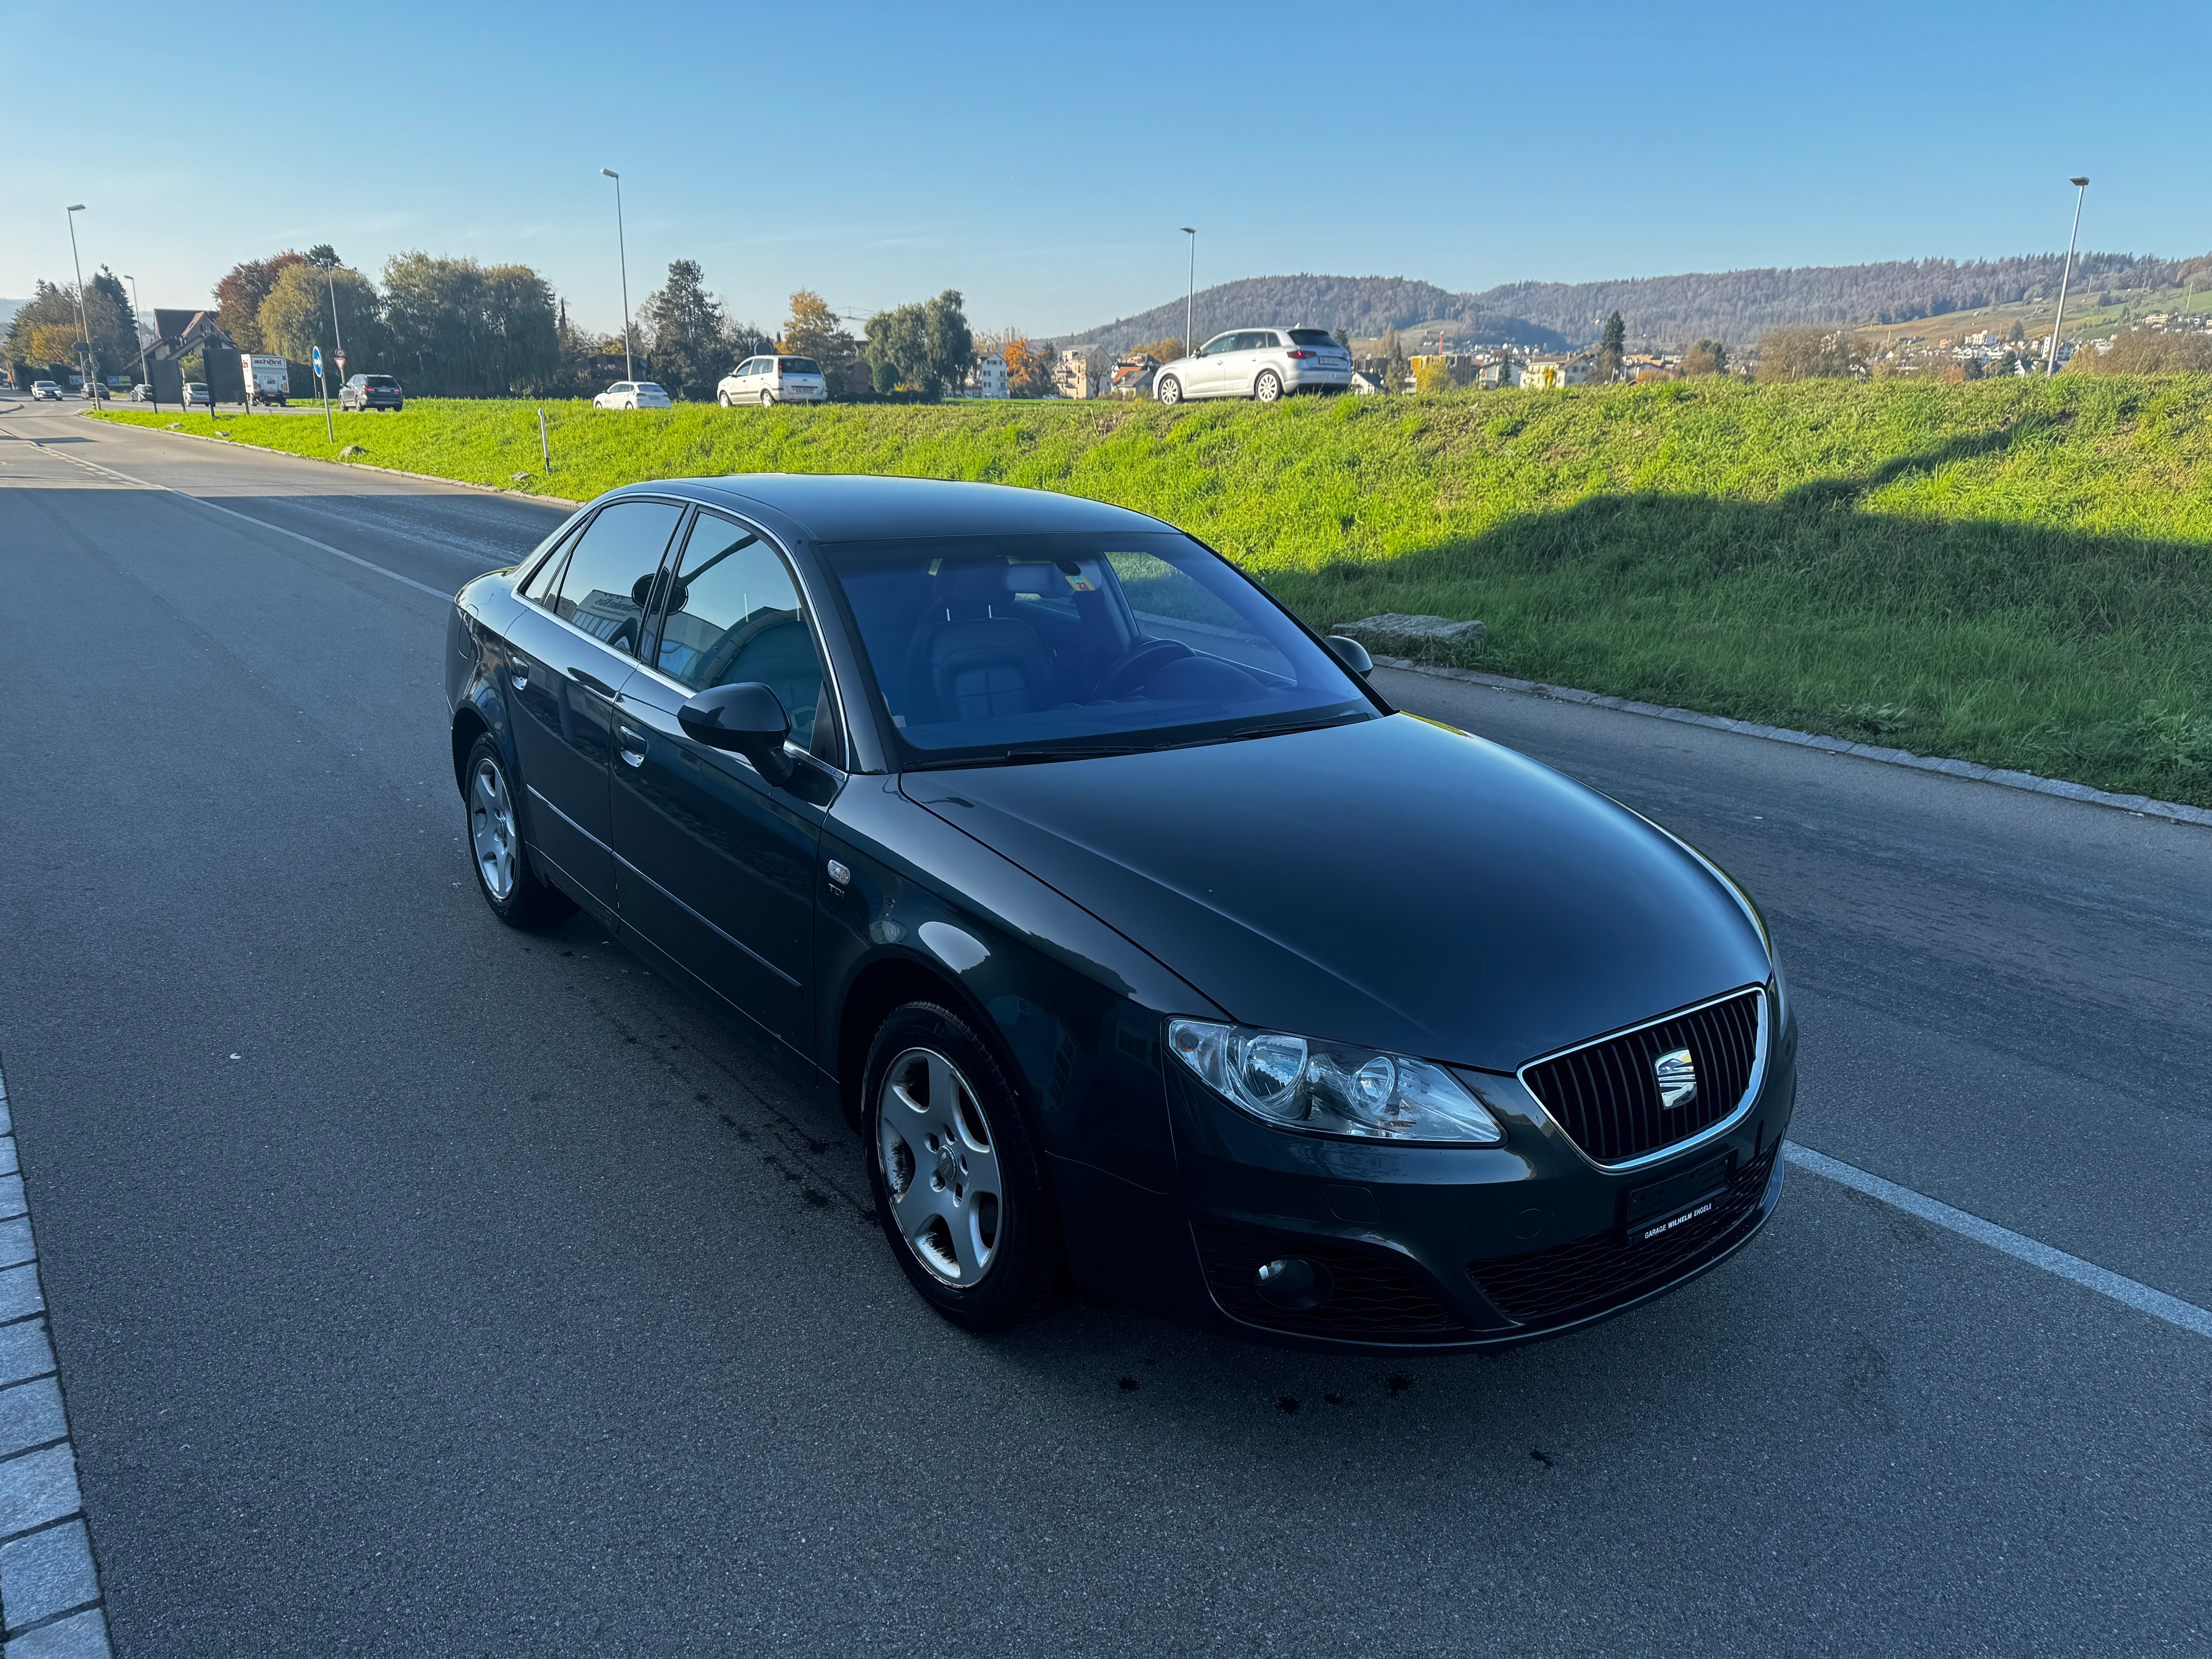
[1312, 337]
[610, 575]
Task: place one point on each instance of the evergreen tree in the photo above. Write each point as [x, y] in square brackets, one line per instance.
[1612, 348]
[690, 352]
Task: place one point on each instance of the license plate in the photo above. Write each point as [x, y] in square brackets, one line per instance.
[1679, 1201]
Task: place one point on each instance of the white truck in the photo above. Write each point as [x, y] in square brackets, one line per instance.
[268, 380]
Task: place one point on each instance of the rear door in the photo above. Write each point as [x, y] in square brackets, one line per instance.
[572, 651]
[1255, 350]
[717, 866]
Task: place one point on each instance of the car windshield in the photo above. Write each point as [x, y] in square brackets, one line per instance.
[381, 382]
[647, 385]
[1034, 647]
[800, 366]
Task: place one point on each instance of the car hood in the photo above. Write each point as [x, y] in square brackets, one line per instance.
[1396, 883]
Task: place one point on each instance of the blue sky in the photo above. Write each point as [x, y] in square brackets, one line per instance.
[1039, 158]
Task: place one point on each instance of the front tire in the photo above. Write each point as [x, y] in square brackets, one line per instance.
[505, 876]
[723, 399]
[1269, 388]
[1170, 392]
[958, 1182]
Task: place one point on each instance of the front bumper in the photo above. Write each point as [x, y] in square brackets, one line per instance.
[1439, 1250]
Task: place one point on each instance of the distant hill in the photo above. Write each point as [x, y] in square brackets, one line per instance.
[1736, 305]
[1365, 306]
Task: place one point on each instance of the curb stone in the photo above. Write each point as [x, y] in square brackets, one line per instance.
[51, 1605]
[2004, 777]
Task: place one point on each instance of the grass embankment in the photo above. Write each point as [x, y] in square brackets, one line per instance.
[2016, 573]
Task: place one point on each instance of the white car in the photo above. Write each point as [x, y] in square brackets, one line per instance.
[1264, 363]
[45, 389]
[142, 392]
[771, 380]
[631, 394]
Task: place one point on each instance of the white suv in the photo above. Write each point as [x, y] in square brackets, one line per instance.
[770, 381]
[631, 394]
[1257, 362]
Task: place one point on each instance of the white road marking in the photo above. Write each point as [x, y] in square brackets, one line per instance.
[2141, 1297]
[247, 518]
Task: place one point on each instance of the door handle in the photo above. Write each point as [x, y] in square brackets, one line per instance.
[633, 745]
[598, 687]
[518, 670]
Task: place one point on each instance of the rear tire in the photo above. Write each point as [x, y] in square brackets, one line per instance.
[959, 1182]
[768, 400]
[1170, 392]
[1269, 388]
[509, 882]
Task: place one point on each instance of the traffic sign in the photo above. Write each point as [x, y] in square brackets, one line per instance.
[341, 357]
[319, 359]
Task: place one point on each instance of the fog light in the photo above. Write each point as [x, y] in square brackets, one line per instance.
[1293, 1283]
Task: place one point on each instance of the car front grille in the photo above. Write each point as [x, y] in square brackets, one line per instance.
[1373, 1298]
[1589, 1275]
[1606, 1094]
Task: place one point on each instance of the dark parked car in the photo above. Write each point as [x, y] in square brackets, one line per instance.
[371, 391]
[1138, 939]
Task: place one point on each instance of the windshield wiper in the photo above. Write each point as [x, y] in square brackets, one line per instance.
[1029, 756]
[1296, 725]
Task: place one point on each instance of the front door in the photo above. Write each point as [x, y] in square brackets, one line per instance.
[717, 866]
[1208, 380]
[564, 681]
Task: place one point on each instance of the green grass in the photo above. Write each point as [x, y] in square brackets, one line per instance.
[2017, 573]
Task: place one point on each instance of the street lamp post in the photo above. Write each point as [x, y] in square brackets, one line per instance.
[1190, 293]
[2051, 357]
[83, 329]
[135, 329]
[621, 252]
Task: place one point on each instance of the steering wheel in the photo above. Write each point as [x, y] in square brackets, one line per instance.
[1137, 664]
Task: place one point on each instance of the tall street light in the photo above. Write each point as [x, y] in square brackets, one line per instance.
[1190, 293]
[83, 329]
[134, 328]
[2051, 357]
[629, 369]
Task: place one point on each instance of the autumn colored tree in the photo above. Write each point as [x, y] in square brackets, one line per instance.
[239, 295]
[1707, 357]
[1164, 350]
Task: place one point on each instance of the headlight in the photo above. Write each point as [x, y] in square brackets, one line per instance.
[1330, 1089]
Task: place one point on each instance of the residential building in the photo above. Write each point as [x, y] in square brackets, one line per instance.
[987, 379]
[1548, 372]
[1071, 376]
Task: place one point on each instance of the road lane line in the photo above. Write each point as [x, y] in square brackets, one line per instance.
[2141, 1297]
[247, 518]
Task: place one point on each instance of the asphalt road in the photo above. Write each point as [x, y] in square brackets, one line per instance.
[421, 1287]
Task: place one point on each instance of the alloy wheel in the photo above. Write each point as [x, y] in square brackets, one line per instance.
[491, 829]
[768, 400]
[1268, 389]
[940, 1164]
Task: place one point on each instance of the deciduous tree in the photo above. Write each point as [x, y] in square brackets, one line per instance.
[1808, 354]
[296, 319]
[814, 331]
[239, 295]
[1707, 357]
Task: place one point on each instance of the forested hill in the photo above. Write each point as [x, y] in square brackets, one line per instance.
[1737, 306]
[1740, 305]
[1363, 305]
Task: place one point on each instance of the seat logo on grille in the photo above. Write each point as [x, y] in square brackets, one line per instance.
[1677, 1074]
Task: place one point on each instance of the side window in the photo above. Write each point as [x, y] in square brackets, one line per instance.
[545, 581]
[609, 580]
[734, 614]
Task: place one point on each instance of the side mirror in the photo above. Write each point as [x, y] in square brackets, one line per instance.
[746, 719]
[1352, 654]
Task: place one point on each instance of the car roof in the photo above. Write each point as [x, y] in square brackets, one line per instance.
[850, 507]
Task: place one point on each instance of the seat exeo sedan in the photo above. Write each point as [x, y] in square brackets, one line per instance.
[1140, 940]
[1262, 363]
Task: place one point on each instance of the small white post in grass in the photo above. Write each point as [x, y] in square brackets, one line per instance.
[543, 448]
